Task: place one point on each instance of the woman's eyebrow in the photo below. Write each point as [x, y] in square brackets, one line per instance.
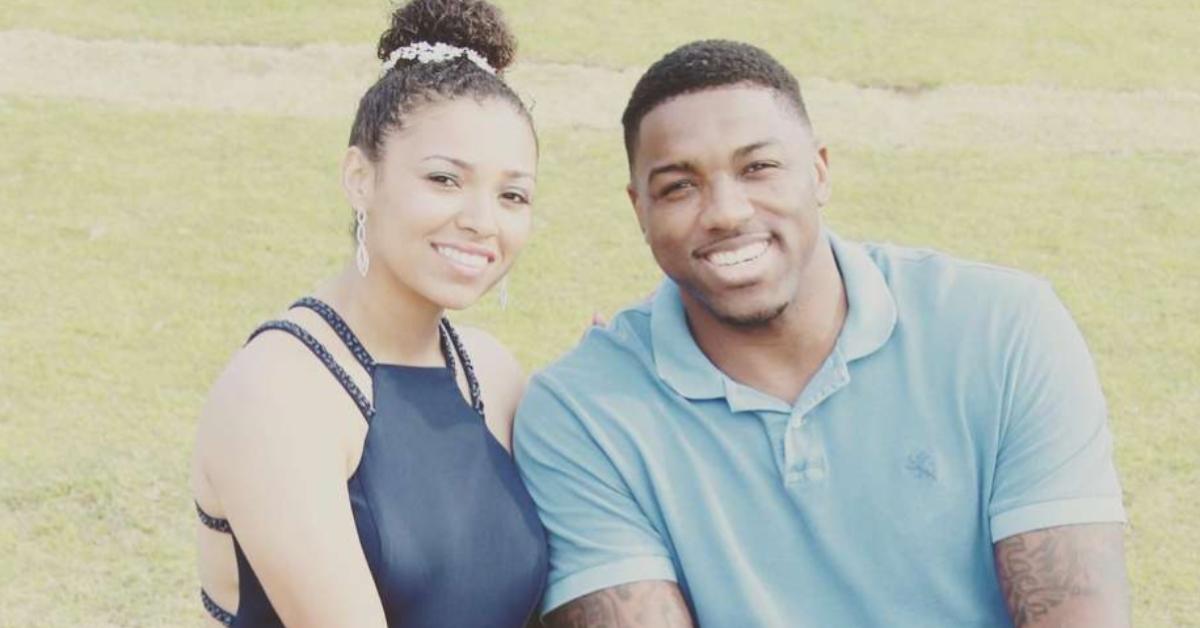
[454, 160]
[466, 165]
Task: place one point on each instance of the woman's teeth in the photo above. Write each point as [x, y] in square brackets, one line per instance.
[462, 257]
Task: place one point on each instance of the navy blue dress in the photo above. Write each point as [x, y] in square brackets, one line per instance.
[450, 534]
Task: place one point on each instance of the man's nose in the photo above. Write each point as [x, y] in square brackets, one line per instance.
[727, 206]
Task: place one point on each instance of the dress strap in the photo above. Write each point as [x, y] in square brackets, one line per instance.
[341, 328]
[450, 338]
[225, 617]
[326, 358]
[216, 524]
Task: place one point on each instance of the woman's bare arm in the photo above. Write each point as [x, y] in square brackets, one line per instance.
[274, 442]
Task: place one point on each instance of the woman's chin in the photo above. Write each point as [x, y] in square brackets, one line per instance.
[456, 299]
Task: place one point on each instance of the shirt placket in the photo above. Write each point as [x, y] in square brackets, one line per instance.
[803, 446]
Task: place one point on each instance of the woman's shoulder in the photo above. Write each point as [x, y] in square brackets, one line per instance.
[263, 376]
[273, 390]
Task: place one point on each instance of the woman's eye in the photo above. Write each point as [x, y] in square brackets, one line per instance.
[444, 180]
[516, 197]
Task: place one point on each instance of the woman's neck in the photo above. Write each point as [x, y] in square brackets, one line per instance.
[394, 323]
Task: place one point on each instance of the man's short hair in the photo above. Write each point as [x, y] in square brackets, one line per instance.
[704, 65]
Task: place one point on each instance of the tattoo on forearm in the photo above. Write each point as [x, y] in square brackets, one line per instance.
[633, 605]
[1042, 570]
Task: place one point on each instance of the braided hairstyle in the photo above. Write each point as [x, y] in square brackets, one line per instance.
[704, 65]
[472, 24]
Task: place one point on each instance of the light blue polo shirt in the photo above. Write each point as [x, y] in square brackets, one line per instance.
[959, 407]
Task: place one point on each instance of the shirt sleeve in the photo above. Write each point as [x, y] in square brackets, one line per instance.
[599, 536]
[1055, 458]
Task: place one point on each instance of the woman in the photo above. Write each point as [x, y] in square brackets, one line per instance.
[351, 465]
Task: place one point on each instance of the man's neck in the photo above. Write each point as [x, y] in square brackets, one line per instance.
[780, 357]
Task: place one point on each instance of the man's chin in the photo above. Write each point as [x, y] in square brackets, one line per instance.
[743, 315]
[746, 310]
[749, 319]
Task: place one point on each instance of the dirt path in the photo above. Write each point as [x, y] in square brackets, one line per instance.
[324, 81]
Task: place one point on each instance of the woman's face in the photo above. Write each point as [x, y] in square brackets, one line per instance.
[448, 202]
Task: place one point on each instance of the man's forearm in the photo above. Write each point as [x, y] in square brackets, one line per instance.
[652, 603]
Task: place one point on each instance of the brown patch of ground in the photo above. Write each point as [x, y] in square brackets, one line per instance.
[326, 81]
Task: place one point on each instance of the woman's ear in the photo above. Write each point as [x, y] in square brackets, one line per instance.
[358, 178]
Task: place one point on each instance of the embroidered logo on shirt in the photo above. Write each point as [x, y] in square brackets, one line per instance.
[922, 465]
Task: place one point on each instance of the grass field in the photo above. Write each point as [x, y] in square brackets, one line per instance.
[139, 246]
[1117, 44]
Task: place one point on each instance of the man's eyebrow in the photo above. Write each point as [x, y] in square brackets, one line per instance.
[682, 167]
[686, 167]
[750, 148]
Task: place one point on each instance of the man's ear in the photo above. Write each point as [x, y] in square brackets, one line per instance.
[824, 187]
[631, 190]
[358, 178]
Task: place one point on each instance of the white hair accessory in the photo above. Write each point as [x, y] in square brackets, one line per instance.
[425, 52]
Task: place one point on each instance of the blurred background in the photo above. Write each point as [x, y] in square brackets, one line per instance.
[168, 179]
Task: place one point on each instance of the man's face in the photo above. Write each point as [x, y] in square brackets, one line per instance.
[727, 184]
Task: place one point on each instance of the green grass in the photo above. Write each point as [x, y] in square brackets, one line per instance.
[141, 247]
[138, 248]
[1081, 43]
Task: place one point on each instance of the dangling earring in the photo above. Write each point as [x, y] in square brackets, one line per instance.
[360, 234]
[503, 293]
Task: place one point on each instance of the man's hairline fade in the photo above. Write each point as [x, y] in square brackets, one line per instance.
[701, 66]
[631, 137]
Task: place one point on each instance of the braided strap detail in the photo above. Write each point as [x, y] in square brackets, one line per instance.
[326, 358]
[341, 328]
[215, 611]
[213, 523]
[448, 332]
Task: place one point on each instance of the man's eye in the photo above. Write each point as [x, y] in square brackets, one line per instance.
[675, 189]
[759, 166]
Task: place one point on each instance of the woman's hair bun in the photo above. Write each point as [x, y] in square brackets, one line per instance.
[473, 24]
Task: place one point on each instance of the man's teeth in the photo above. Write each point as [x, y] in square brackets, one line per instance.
[464, 258]
[738, 256]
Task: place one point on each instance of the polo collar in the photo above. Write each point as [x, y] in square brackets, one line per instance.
[871, 312]
[677, 357]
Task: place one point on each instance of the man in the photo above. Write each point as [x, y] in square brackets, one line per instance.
[798, 430]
